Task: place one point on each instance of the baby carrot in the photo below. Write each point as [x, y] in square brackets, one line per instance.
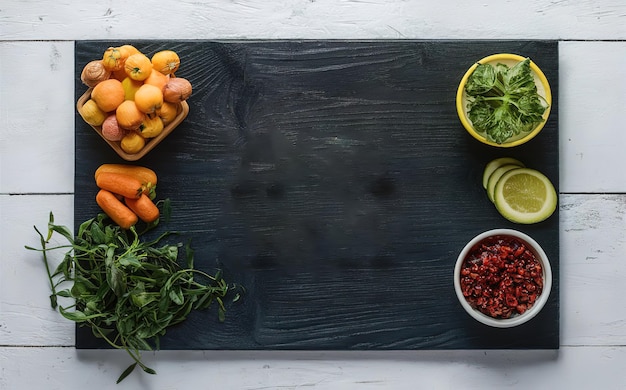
[118, 183]
[145, 209]
[115, 209]
[145, 175]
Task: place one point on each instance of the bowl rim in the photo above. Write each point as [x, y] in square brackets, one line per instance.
[182, 110]
[461, 91]
[539, 303]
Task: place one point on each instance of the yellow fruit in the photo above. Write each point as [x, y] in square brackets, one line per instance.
[128, 50]
[497, 163]
[130, 87]
[525, 195]
[128, 115]
[119, 74]
[166, 61]
[112, 59]
[157, 79]
[91, 113]
[132, 143]
[151, 127]
[148, 98]
[168, 112]
[108, 94]
[138, 66]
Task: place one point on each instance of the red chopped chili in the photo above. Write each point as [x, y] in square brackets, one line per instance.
[501, 277]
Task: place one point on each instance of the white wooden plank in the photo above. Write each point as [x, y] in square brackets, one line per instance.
[37, 120]
[593, 248]
[569, 368]
[591, 110]
[486, 19]
[26, 317]
[593, 271]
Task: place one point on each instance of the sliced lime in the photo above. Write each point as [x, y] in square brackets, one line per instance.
[497, 163]
[524, 195]
[495, 176]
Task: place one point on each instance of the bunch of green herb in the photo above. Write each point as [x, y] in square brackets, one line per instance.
[504, 101]
[128, 291]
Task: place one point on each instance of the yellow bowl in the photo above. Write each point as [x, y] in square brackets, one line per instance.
[543, 89]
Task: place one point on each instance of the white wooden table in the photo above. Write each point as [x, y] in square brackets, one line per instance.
[37, 169]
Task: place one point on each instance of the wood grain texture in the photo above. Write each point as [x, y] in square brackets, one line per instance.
[570, 368]
[40, 139]
[36, 132]
[26, 317]
[34, 161]
[591, 271]
[317, 19]
[334, 181]
[595, 137]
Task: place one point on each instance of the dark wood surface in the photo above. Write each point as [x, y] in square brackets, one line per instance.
[334, 180]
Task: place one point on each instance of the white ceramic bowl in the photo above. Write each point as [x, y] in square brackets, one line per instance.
[516, 319]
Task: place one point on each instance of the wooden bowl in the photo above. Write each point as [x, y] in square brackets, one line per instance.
[182, 111]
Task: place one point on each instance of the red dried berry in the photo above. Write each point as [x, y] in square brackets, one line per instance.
[501, 276]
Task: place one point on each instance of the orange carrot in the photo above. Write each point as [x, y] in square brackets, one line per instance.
[118, 183]
[145, 175]
[116, 210]
[145, 209]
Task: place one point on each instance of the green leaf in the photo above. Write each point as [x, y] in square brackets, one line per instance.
[77, 315]
[189, 252]
[142, 299]
[53, 301]
[480, 112]
[172, 253]
[97, 234]
[84, 226]
[530, 108]
[64, 266]
[130, 260]
[64, 294]
[519, 80]
[164, 303]
[89, 285]
[116, 279]
[93, 305]
[482, 79]
[80, 289]
[126, 372]
[62, 230]
[176, 295]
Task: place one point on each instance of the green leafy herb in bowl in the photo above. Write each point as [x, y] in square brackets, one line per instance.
[504, 100]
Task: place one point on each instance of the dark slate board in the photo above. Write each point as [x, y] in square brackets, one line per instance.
[334, 181]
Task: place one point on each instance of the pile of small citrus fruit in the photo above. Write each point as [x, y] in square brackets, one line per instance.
[133, 97]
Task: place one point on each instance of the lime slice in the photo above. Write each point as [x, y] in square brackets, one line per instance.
[525, 196]
[497, 163]
[495, 177]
